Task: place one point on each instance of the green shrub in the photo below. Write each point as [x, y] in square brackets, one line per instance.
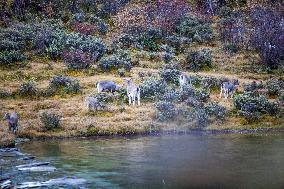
[170, 73]
[64, 84]
[200, 117]
[165, 111]
[216, 110]
[190, 91]
[152, 87]
[150, 39]
[49, 38]
[194, 28]
[199, 60]
[230, 48]
[4, 94]
[121, 72]
[27, 89]
[178, 43]
[50, 121]
[77, 60]
[88, 44]
[274, 86]
[252, 106]
[115, 62]
[171, 95]
[8, 45]
[10, 57]
[281, 98]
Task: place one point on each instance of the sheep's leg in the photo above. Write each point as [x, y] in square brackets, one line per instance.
[221, 91]
[226, 94]
[232, 93]
[138, 99]
[129, 100]
[133, 97]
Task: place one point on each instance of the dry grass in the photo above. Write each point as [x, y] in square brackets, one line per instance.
[6, 138]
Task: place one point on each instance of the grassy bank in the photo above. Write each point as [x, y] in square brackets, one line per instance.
[78, 121]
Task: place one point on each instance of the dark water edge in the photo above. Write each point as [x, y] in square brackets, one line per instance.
[194, 159]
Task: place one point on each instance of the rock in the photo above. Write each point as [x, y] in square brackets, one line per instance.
[33, 165]
[5, 184]
[10, 152]
[28, 158]
[38, 169]
[71, 181]
[9, 149]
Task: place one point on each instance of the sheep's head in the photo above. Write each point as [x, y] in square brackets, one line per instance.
[128, 81]
[6, 116]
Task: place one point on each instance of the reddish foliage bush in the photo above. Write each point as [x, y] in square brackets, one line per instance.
[84, 28]
[77, 59]
[161, 14]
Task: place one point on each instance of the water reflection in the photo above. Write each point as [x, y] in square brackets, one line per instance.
[189, 161]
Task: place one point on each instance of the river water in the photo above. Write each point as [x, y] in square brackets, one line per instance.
[167, 161]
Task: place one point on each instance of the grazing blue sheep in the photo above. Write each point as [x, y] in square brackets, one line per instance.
[12, 119]
[133, 92]
[183, 80]
[109, 86]
[228, 88]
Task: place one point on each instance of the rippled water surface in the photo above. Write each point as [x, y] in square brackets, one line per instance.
[187, 161]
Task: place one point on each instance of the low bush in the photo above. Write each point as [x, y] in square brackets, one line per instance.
[121, 72]
[230, 48]
[216, 110]
[192, 102]
[126, 41]
[104, 98]
[64, 84]
[88, 24]
[27, 89]
[211, 82]
[49, 42]
[8, 58]
[200, 117]
[281, 98]
[115, 62]
[152, 87]
[199, 60]
[8, 45]
[4, 94]
[190, 91]
[194, 28]
[252, 106]
[171, 95]
[165, 111]
[170, 73]
[72, 87]
[178, 43]
[77, 59]
[274, 86]
[84, 28]
[50, 121]
[88, 44]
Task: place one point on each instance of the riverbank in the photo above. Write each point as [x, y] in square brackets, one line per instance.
[11, 141]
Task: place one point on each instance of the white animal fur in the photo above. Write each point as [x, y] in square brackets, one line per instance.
[133, 92]
[183, 79]
[227, 89]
